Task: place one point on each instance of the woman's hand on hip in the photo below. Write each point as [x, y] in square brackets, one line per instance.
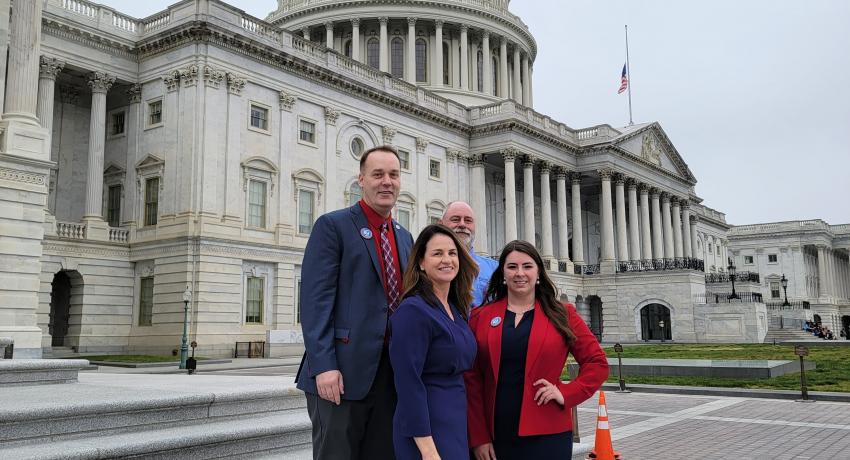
[547, 392]
[484, 452]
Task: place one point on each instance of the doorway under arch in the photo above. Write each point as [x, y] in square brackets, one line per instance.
[655, 322]
[817, 319]
[65, 291]
[596, 326]
[845, 326]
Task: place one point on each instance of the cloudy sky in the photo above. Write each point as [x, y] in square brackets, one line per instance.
[754, 94]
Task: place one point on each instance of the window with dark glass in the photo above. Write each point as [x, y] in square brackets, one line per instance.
[772, 258]
[397, 58]
[146, 301]
[347, 48]
[307, 131]
[495, 74]
[404, 159]
[254, 300]
[305, 211]
[259, 117]
[446, 61]
[421, 60]
[480, 66]
[357, 146]
[113, 206]
[434, 169]
[748, 259]
[117, 123]
[257, 204]
[774, 289]
[373, 57]
[155, 113]
[354, 194]
[151, 200]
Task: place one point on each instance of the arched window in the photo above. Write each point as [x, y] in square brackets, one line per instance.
[446, 62]
[354, 194]
[373, 48]
[480, 66]
[421, 60]
[397, 57]
[495, 73]
[347, 48]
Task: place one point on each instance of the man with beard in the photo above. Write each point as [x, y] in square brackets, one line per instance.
[461, 219]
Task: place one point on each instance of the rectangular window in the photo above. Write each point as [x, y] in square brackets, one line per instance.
[748, 260]
[145, 301]
[117, 124]
[254, 300]
[404, 159]
[151, 200]
[257, 204]
[772, 258]
[433, 220]
[154, 113]
[307, 131]
[113, 206]
[259, 117]
[774, 289]
[404, 218]
[434, 169]
[305, 211]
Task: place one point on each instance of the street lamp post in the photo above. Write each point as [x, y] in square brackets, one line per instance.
[731, 269]
[784, 281]
[661, 325]
[184, 344]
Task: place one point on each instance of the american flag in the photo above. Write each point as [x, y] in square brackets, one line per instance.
[624, 80]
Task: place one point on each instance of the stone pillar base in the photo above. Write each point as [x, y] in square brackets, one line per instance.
[570, 266]
[27, 340]
[24, 139]
[96, 228]
[608, 267]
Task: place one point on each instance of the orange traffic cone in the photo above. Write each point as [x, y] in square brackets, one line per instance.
[603, 449]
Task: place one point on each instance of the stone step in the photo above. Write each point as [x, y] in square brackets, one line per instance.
[261, 435]
[22, 372]
[79, 410]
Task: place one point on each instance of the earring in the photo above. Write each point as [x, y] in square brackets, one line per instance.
[538, 281]
[504, 281]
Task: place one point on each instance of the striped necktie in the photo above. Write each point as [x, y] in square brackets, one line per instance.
[389, 269]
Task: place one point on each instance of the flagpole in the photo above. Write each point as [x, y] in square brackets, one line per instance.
[629, 74]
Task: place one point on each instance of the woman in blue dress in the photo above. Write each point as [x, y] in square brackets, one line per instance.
[431, 348]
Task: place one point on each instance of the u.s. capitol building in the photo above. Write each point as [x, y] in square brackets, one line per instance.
[194, 148]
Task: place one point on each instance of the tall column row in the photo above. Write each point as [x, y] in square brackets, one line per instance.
[514, 70]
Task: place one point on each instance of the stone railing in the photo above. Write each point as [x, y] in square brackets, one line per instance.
[742, 277]
[727, 297]
[792, 305]
[508, 110]
[72, 230]
[840, 229]
[119, 235]
[788, 226]
[587, 269]
[648, 265]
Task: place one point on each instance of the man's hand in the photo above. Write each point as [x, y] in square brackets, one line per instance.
[330, 387]
[484, 452]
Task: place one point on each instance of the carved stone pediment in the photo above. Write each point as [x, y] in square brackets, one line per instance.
[650, 149]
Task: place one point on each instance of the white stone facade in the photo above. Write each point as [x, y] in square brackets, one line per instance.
[194, 148]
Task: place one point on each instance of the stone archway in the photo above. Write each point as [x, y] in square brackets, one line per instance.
[845, 326]
[596, 325]
[65, 290]
[817, 318]
[655, 322]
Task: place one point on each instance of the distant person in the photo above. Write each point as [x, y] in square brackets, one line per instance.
[460, 217]
[351, 282]
[431, 347]
[518, 407]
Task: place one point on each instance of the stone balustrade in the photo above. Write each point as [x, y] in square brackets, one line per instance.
[788, 226]
[72, 230]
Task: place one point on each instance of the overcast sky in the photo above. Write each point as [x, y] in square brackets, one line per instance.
[754, 94]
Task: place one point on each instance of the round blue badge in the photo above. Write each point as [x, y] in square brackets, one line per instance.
[366, 233]
[496, 321]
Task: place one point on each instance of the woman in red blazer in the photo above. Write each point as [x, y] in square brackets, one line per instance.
[517, 406]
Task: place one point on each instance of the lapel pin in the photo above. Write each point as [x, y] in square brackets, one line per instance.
[496, 321]
[366, 233]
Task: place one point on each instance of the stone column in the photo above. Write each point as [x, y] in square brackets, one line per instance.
[634, 222]
[830, 273]
[563, 231]
[438, 55]
[464, 57]
[355, 39]
[686, 230]
[694, 241]
[546, 214]
[48, 70]
[509, 156]
[578, 244]
[657, 232]
[822, 273]
[646, 233]
[478, 200]
[517, 76]
[410, 55]
[329, 35]
[487, 65]
[530, 102]
[606, 218]
[668, 226]
[528, 199]
[677, 229]
[99, 83]
[503, 68]
[526, 94]
[23, 62]
[383, 44]
[622, 229]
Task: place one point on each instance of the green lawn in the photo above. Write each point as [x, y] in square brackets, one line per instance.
[832, 373]
[137, 358]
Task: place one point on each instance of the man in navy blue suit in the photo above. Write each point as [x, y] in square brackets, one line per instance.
[351, 282]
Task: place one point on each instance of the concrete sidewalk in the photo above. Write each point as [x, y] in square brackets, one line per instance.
[234, 364]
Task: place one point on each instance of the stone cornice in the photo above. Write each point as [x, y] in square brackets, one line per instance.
[88, 38]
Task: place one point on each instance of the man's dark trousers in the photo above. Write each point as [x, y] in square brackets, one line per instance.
[356, 430]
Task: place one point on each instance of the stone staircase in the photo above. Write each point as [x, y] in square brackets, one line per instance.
[787, 335]
[153, 417]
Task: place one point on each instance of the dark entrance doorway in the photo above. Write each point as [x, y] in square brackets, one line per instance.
[651, 326]
[60, 306]
[817, 319]
[845, 326]
[595, 304]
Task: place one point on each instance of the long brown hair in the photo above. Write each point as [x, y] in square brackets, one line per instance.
[417, 283]
[545, 291]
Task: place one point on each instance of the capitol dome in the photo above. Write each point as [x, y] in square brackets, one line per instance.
[400, 37]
